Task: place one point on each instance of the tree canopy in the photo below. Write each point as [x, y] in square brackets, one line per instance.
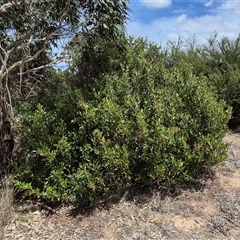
[33, 27]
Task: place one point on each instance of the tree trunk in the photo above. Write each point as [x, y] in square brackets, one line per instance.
[6, 137]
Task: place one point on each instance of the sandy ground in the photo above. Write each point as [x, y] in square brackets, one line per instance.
[208, 209]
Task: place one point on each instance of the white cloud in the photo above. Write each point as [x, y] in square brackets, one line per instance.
[156, 4]
[179, 11]
[209, 4]
[231, 6]
[163, 29]
[181, 18]
[224, 20]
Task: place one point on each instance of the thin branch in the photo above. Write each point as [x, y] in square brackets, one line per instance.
[45, 41]
[44, 66]
[231, 221]
[40, 204]
[9, 95]
[5, 6]
[20, 79]
[4, 63]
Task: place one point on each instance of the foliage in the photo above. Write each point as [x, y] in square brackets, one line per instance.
[140, 124]
[91, 60]
[30, 33]
[225, 71]
[218, 60]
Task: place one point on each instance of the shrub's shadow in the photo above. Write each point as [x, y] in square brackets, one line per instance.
[142, 194]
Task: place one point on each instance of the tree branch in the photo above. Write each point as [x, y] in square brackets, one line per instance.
[27, 59]
[5, 6]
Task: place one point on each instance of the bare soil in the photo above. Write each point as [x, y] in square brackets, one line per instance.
[206, 209]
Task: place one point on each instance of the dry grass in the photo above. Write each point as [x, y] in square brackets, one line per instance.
[6, 205]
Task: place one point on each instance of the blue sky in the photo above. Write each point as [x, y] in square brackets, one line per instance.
[162, 20]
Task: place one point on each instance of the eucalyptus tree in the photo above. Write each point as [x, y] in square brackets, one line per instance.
[30, 32]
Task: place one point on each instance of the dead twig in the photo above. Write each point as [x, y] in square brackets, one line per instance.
[45, 207]
[217, 229]
[231, 221]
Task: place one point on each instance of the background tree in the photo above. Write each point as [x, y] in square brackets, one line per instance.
[218, 60]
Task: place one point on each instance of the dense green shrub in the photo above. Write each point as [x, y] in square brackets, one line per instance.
[218, 60]
[223, 58]
[142, 124]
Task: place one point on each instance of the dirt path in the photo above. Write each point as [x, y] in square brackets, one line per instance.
[210, 210]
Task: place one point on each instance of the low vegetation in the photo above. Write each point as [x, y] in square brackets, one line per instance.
[140, 124]
[125, 111]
